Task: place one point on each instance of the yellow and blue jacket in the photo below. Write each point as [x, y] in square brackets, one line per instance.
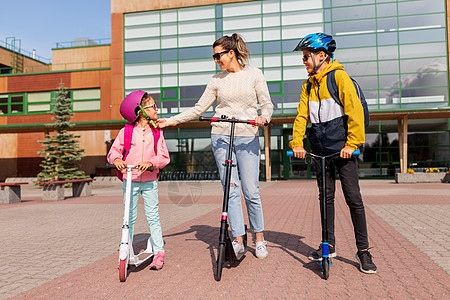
[333, 126]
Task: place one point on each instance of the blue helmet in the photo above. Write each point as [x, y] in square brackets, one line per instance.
[317, 42]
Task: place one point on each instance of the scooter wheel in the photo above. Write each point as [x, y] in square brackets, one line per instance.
[123, 266]
[326, 268]
[220, 260]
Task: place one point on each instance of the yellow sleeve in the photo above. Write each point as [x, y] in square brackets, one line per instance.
[353, 109]
[301, 120]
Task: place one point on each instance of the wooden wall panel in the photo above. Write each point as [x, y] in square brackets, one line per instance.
[124, 6]
[3, 85]
[9, 145]
[64, 56]
[28, 145]
[37, 82]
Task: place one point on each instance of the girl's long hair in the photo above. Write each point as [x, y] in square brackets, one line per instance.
[237, 44]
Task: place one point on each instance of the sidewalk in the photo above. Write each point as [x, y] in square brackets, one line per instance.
[69, 248]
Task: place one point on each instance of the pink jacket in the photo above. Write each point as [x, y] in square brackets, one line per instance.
[142, 150]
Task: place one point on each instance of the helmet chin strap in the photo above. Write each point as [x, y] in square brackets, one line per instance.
[146, 116]
[314, 64]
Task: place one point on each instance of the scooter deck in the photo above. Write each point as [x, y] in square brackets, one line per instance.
[140, 258]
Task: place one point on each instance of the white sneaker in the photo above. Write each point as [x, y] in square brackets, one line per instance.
[261, 250]
[238, 248]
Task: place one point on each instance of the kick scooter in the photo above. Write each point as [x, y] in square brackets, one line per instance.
[326, 261]
[126, 252]
[225, 250]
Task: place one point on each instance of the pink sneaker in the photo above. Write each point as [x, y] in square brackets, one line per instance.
[158, 261]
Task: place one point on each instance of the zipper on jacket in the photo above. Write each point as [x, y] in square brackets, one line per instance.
[318, 97]
[143, 148]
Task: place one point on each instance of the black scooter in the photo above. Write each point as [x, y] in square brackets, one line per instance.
[225, 250]
[326, 261]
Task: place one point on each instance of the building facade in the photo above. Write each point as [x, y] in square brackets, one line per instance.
[397, 50]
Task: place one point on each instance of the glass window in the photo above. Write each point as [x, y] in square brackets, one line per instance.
[169, 54]
[422, 64]
[356, 40]
[196, 40]
[86, 94]
[301, 17]
[237, 23]
[170, 93]
[86, 105]
[270, 34]
[195, 13]
[388, 67]
[355, 12]
[241, 9]
[424, 79]
[290, 5]
[196, 52]
[356, 54]
[141, 56]
[142, 44]
[388, 52]
[386, 10]
[142, 31]
[192, 91]
[271, 20]
[387, 38]
[149, 17]
[3, 104]
[367, 82]
[389, 81]
[353, 2]
[423, 21]
[168, 29]
[39, 97]
[196, 26]
[351, 27]
[255, 48]
[420, 7]
[417, 50]
[292, 87]
[424, 36]
[363, 68]
[272, 47]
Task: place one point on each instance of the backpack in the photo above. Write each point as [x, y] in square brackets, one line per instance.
[128, 134]
[333, 90]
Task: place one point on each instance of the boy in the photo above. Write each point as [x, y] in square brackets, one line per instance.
[335, 128]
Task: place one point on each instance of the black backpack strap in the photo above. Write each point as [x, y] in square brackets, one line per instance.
[332, 86]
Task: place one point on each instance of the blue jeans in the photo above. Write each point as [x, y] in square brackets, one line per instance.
[149, 192]
[246, 155]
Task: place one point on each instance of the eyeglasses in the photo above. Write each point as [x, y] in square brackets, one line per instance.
[151, 105]
[305, 58]
[217, 56]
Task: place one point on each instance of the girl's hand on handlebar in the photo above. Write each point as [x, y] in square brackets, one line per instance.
[120, 164]
[346, 152]
[299, 152]
[259, 121]
[143, 166]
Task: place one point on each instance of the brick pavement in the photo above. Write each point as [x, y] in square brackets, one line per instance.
[408, 230]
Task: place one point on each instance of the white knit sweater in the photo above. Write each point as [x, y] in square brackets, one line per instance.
[238, 95]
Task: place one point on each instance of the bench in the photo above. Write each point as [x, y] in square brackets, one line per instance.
[10, 192]
[54, 190]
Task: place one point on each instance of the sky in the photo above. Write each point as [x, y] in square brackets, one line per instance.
[40, 24]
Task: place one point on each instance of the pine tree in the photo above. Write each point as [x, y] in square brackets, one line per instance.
[62, 152]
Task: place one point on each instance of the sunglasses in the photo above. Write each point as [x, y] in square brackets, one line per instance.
[305, 58]
[217, 56]
[151, 105]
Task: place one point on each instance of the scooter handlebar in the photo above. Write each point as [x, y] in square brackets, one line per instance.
[229, 120]
[136, 167]
[291, 153]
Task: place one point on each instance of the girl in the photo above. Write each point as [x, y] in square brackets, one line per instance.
[140, 110]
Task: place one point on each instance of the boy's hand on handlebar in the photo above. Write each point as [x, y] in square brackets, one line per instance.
[143, 166]
[346, 152]
[120, 164]
[299, 152]
[259, 121]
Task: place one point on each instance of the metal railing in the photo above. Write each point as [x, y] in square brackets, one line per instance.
[30, 54]
[83, 43]
[58, 67]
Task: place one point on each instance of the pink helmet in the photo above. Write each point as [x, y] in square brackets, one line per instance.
[130, 105]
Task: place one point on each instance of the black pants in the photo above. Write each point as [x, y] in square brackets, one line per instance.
[348, 174]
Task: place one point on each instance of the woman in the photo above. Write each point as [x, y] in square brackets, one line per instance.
[238, 89]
